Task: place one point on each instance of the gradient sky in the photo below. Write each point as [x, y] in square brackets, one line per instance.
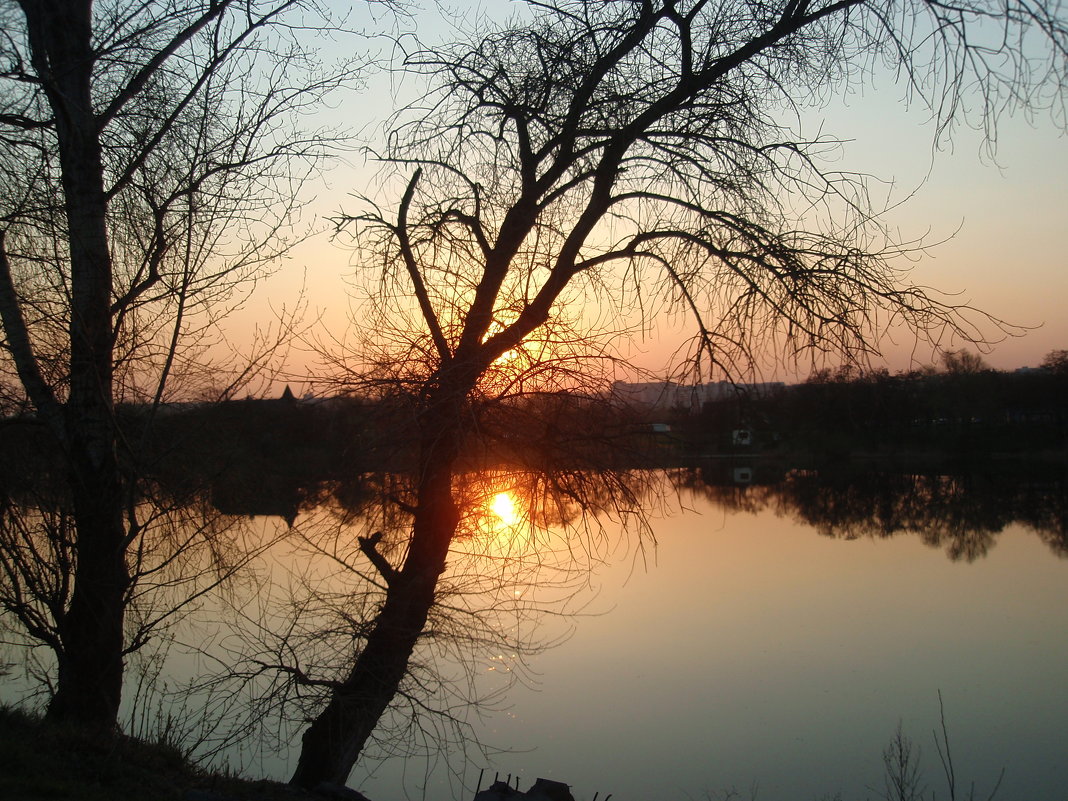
[1004, 220]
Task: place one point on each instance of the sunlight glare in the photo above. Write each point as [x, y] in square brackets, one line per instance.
[503, 505]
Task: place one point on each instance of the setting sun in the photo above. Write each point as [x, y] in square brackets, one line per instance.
[503, 505]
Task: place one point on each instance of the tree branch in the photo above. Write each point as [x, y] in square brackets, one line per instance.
[134, 86]
[412, 266]
[18, 340]
[369, 546]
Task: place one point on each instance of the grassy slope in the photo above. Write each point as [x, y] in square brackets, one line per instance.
[44, 762]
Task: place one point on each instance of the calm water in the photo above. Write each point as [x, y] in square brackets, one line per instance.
[748, 650]
[756, 652]
[754, 638]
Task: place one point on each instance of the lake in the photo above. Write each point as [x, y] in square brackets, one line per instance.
[761, 635]
[749, 651]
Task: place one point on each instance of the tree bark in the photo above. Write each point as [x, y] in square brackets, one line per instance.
[335, 739]
[91, 630]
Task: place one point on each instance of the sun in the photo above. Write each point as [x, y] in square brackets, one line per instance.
[509, 355]
[503, 505]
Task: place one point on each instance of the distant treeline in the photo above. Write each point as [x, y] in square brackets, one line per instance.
[960, 413]
[964, 412]
[276, 457]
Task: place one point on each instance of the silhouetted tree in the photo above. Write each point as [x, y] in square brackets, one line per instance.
[1056, 361]
[963, 362]
[610, 158]
[148, 163]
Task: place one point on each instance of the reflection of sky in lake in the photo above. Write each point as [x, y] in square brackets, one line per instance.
[755, 651]
[744, 649]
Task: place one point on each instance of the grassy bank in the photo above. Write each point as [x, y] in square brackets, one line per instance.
[40, 761]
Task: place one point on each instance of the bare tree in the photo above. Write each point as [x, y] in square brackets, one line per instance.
[150, 166]
[617, 157]
[1056, 361]
[511, 589]
[963, 362]
[902, 774]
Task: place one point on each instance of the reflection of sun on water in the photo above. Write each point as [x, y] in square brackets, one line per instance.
[503, 505]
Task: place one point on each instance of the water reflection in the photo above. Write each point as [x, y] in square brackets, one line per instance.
[182, 550]
[517, 574]
[532, 545]
[523, 567]
[961, 514]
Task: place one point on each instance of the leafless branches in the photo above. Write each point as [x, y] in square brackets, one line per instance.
[643, 148]
[632, 157]
[153, 159]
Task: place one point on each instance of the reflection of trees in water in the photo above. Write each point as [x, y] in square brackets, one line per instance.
[961, 513]
[944, 511]
[182, 553]
[510, 589]
[510, 585]
[288, 637]
[260, 658]
[1043, 507]
[716, 484]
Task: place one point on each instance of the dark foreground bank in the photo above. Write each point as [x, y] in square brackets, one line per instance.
[40, 761]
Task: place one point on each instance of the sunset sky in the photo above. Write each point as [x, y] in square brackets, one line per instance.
[1001, 223]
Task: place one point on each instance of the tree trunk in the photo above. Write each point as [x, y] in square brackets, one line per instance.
[335, 739]
[89, 686]
[91, 630]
